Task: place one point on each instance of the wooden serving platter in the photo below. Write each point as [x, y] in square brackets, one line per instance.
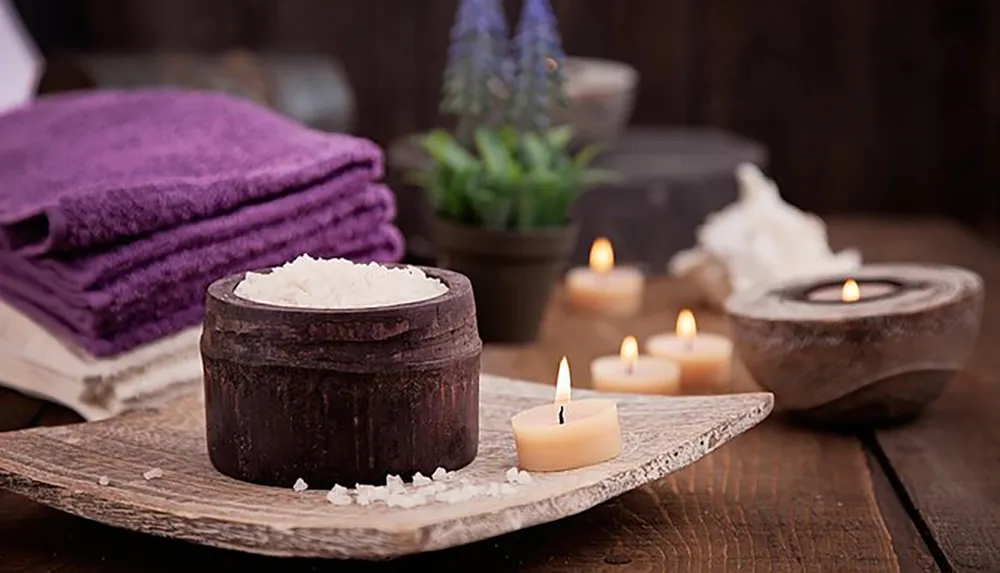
[61, 467]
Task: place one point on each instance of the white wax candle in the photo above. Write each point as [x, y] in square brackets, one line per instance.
[566, 435]
[705, 359]
[603, 288]
[629, 373]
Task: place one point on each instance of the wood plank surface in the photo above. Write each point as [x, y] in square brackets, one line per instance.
[776, 499]
[949, 460]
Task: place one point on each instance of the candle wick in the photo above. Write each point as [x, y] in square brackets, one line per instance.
[562, 415]
[689, 343]
[630, 367]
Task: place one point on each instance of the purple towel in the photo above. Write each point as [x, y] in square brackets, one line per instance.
[384, 245]
[87, 169]
[178, 280]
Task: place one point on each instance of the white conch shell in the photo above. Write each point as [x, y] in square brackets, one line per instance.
[756, 240]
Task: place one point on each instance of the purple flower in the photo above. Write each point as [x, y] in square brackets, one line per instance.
[479, 46]
[539, 58]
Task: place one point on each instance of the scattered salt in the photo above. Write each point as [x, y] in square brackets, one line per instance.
[300, 485]
[523, 478]
[507, 489]
[153, 474]
[441, 474]
[420, 479]
[103, 480]
[339, 497]
[394, 484]
[338, 283]
[406, 501]
[511, 475]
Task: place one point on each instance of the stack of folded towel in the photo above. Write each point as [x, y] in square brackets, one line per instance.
[117, 209]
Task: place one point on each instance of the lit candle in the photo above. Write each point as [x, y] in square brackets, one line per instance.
[630, 373]
[566, 435]
[604, 288]
[705, 359]
[852, 291]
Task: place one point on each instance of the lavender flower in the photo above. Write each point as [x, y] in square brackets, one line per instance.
[539, 59]
[476, 57]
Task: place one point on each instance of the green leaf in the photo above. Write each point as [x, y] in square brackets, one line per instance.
[446, 151]
[508, 135]
[587, 155]
[536, 152]
[559, 137]
[498, 161]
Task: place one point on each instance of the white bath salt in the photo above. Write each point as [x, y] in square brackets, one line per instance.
[507, 489]
[511, 475]
[406, 501]
[153, 474]
[340, 490]
[338, 283]
[339, 497]
[300, 485]
[394, 483]
[442, 474]
[421, 480]
[103, 480]
[523, 478]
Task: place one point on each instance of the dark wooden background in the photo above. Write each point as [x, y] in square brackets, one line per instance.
[865, 105]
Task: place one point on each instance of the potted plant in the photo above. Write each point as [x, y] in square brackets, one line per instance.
[502, 184]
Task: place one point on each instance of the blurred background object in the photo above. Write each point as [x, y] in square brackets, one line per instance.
[19, 59]
[864, 107]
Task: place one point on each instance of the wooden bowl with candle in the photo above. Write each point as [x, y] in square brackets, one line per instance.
[341, 395]
[874, 348]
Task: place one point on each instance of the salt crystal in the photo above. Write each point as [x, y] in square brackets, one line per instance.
[300, 485]
[406, 501]
[440, 474]
[507, 489]
[339, 490]
[420, 479]
[338, 498]
[394, 483]
[363, 498]
[523, 477]
[153, 474]
[511, 475]
[338, 283]
[103, 480]
[380, 493]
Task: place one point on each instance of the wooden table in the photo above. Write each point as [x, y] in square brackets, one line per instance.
[919, 498]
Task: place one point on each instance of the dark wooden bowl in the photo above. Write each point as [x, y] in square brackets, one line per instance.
[341, 396]
[874, 362]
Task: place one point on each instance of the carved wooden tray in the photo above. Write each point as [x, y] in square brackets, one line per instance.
[61, 467]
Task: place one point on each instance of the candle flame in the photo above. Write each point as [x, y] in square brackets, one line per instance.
[630, 351]
[563, 382]
[850, 292]
[602, 256]
[686, 325]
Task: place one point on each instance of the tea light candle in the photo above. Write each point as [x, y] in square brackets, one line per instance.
[852, 291]
[705, 359]
[630, 373]
[566, 435]
[603, 288]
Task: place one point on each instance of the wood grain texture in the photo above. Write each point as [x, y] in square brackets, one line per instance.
[947, 460]
[193, 502]
[341, 395]
[871, 362]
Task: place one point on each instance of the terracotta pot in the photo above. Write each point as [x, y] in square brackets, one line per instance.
[512, 273]
[341, 396]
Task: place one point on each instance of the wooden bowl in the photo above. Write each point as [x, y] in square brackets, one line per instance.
[600, 96]
[878, 361]
[341, 396]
